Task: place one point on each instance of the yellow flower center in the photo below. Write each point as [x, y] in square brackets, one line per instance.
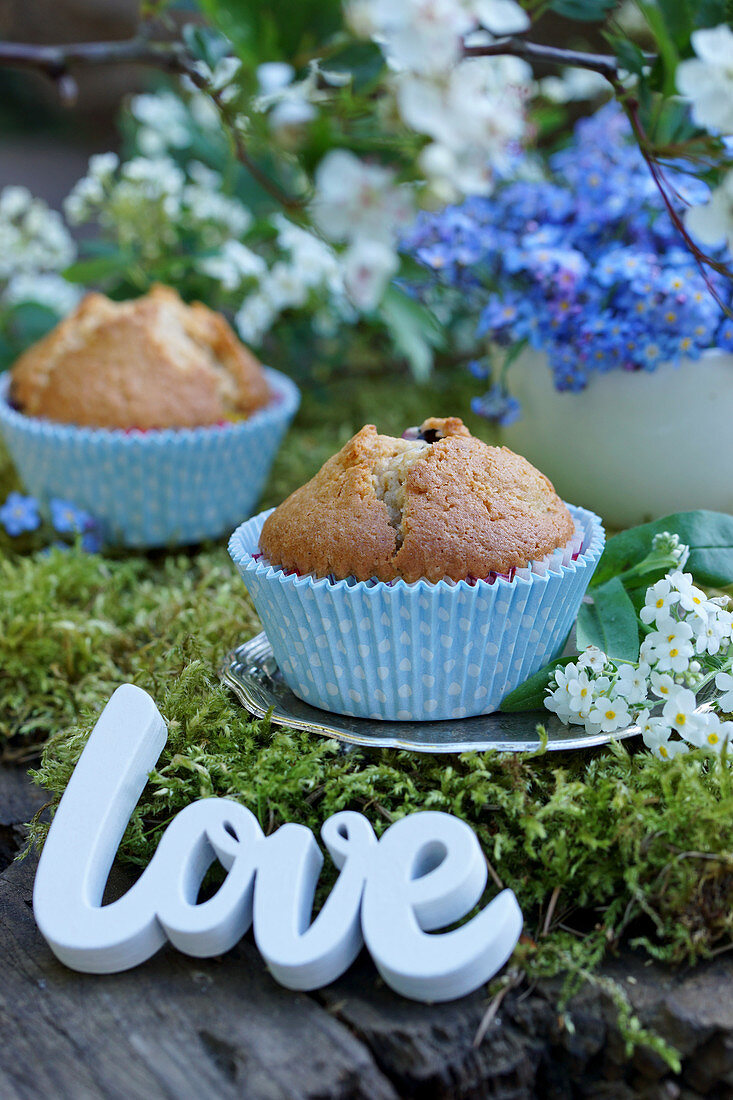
[673, 652]
[713, 738]
[663, 752]
[610, 714]
[680, 719]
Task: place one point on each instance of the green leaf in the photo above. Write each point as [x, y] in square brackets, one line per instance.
[531, 694]
[97, 268]
[609, 622]
[711, 13]
[30, 321]
[708, 534]
[583, 11]
[205, 44]
[629, 55]
[677, 16]
[278, 29]
[665, 43]
[363, 60]
[413, 328]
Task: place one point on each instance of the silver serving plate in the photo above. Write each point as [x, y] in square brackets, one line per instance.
[252, 673]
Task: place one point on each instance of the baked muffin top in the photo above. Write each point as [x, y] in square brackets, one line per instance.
[436, 504]
[151, 362]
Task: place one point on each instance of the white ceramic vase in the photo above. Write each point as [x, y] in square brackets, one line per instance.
[632, 446]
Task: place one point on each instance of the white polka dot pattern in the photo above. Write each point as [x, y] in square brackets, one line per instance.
[158, 488]
[372, 661]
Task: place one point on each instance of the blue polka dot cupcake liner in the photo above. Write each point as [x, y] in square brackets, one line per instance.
[156, 488]
[421, 651]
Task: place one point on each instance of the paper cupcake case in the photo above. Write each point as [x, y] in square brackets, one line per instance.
[418, 651]
[156, 488]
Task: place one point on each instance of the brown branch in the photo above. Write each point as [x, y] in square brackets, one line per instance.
[228, 117]
[58, 62]
[552, 55]
[703, 261]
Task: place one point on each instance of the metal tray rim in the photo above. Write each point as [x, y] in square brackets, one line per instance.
[260, 691]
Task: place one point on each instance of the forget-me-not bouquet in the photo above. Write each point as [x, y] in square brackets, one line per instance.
[584, 264]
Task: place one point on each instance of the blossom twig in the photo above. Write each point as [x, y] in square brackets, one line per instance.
[701, 258]
[228, 118]
[58, 63]
[604, 64]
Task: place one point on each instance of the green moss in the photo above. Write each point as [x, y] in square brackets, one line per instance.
[601, 847]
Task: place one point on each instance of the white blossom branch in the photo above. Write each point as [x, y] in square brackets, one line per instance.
[516, 46]
[59, 62]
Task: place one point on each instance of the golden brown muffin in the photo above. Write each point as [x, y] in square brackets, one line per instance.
[441, 504]
[152, 362]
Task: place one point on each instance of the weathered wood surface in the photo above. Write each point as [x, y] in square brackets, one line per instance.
[180, 1028]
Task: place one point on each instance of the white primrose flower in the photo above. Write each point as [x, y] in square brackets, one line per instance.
[291, 104]
[573, 84]
[316, 261]
[662, 684]
[206, 208]
[476, 114]
[716, 632]
[559, 698]
[608, 715]
[273, 76]
[581, 694]
[232, 265]
[15, 201]
[254, 318]
[593, 658]
[654, 730]
[669, 649]
[102, 167]
[204, 112]
[725, 738]
[632, 683]
[425, 36]
[284, 287]
[707, 80]
[164, 123]
[667, 749]
[712, 222]
[710, 732]
[222, 75]
[420, 36]
[679, 712]
[47, 289]
[658, 602]
[368, 267]
[691, 598]
[559, 703]
[354, 199]
[724, 683]
[291, 115]
[471, 108]
[500, 17]
[32, 236]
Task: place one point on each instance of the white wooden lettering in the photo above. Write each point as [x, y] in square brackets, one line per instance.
[425, 872]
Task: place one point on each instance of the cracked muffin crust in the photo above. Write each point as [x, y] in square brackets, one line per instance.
[436, 504]
[151, 362]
